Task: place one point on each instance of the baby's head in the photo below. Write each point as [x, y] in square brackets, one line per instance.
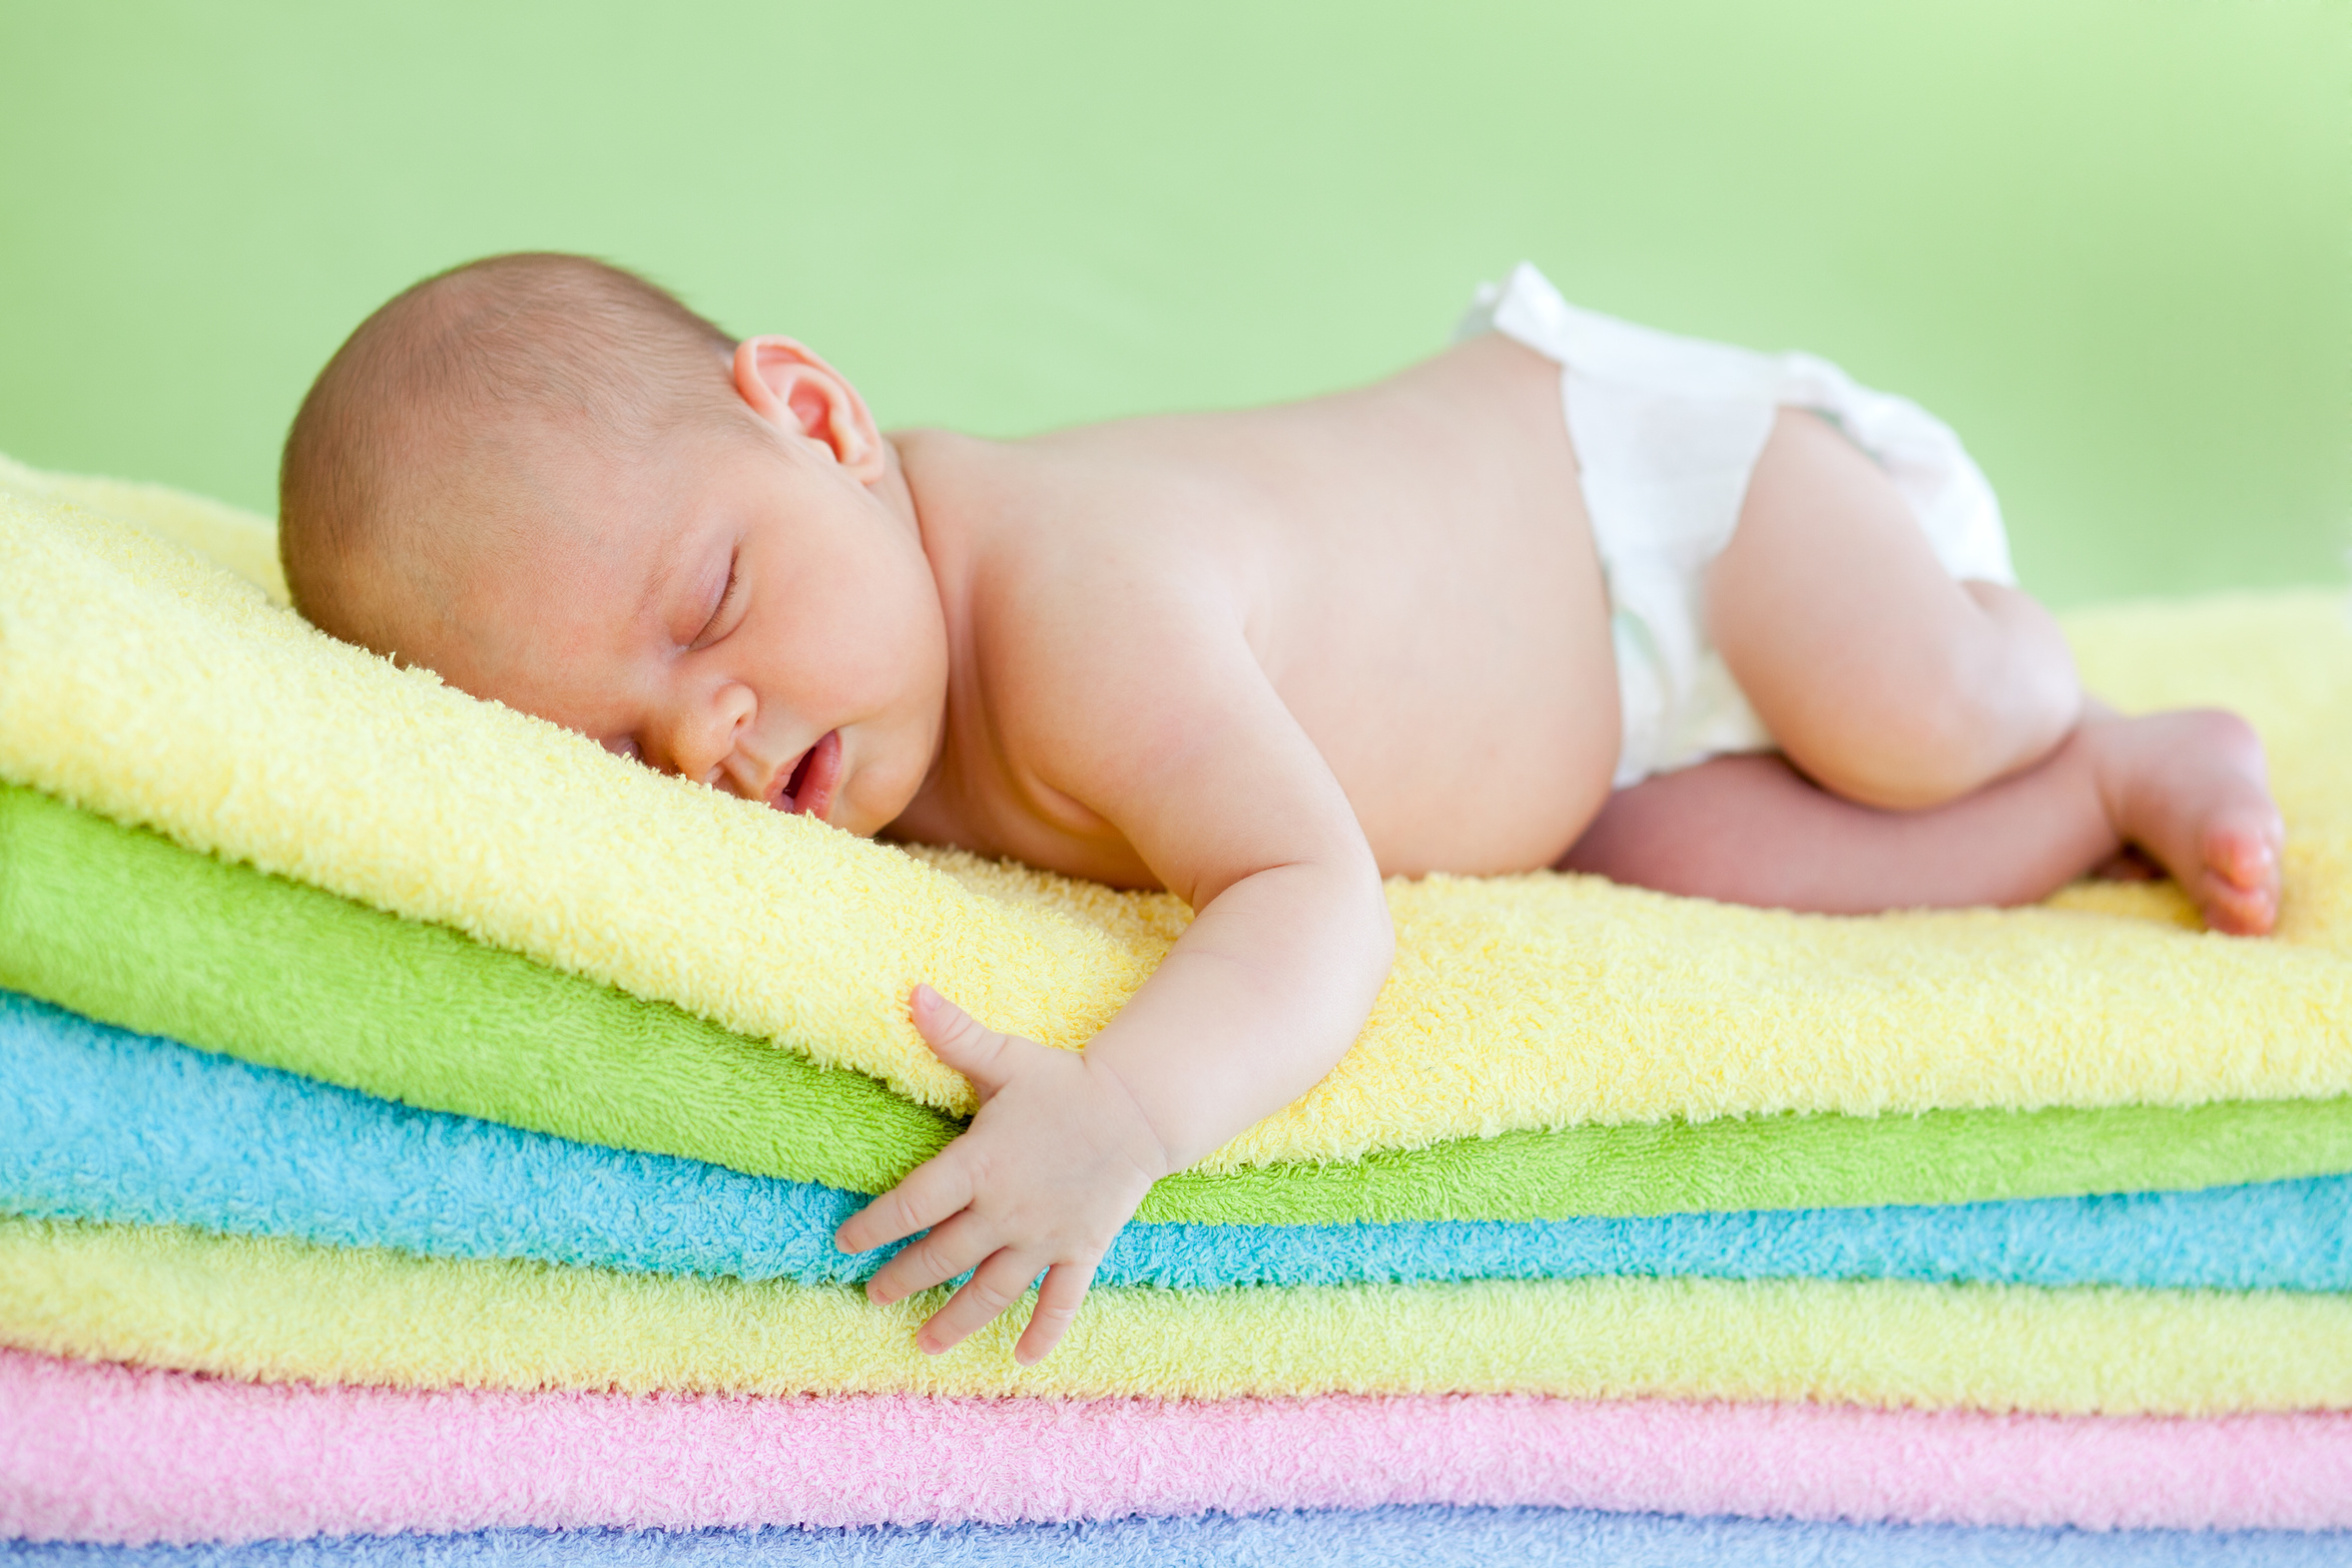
[557, 486]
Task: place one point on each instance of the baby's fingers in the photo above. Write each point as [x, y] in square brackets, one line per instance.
[997, 1285]
[949, 1249]
[1058, 1305]
[962, 1041]
[931, 1193]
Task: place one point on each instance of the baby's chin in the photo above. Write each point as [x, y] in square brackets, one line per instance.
[862, 817]
[864, 825]
[867, 795]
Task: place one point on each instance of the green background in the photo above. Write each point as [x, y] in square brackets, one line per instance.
[2106, 239]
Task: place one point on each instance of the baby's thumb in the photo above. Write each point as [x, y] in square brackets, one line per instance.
[957, 1039]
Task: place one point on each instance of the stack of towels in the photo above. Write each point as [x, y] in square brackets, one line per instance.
[422, 1136]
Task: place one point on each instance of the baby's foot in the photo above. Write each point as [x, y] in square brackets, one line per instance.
[2191, 788]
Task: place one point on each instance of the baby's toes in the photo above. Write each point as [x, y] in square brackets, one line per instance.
[2237, 911]
[2239, 888]
[2241, 849]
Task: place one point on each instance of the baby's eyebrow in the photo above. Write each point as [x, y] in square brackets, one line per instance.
[657, 583]
[663, 577]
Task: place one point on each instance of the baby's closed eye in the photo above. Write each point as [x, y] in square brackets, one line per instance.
[620, 745]
[711, 630]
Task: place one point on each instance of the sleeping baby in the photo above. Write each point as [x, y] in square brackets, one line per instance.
[1570, 594]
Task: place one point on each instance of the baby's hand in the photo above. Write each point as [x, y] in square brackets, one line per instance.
[1054, 1163]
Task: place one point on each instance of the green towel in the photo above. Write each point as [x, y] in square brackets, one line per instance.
[128, 928]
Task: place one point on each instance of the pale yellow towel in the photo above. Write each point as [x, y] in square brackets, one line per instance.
[277, 1310]
[141, 682]
[238, 540]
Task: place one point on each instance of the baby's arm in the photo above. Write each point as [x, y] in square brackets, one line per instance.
[1180, 744]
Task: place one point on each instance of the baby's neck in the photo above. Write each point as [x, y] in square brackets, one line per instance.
[926, 485]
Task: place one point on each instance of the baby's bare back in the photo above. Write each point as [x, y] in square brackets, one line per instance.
[1409, 565]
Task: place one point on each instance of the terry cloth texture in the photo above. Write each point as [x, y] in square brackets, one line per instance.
[99, 1123]
[152, 687]
[123, 926]
[243, 542]
[276, 1311]
[1426, 1537]
[132, 1456]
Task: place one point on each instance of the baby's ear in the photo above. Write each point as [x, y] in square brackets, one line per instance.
[786, 384]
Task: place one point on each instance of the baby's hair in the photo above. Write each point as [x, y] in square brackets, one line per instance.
[429, 390]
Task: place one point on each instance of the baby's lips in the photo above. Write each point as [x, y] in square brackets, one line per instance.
[780, 793]
[809, 789]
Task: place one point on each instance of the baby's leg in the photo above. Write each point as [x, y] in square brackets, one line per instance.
[1888, 683]
[2185, 787]
[1881, 676]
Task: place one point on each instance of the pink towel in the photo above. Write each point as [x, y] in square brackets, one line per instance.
[118, 1454]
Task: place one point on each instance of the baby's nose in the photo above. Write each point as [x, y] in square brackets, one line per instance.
[703, 736]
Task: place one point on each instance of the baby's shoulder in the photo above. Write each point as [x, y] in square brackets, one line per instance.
[1058, 547]
[1085, 574]
[1058, 628]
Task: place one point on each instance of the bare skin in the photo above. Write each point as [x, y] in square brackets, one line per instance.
[1936, 750]
[1262, 660]
[1754, 830]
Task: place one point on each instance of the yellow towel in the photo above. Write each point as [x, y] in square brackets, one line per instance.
[138, 681]
[277, 1310]
[236, 538]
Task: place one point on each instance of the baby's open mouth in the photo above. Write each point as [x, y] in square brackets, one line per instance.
[810, 786]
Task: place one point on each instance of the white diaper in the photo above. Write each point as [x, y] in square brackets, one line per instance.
[1666, 431]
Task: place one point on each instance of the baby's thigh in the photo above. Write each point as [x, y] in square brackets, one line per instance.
[1870, 664]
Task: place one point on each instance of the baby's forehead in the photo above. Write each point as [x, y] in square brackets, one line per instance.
[527, 481]
[615, 526]
[527, 612]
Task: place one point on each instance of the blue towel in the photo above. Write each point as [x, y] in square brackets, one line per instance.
[1408, 1537]
[100, 1124]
